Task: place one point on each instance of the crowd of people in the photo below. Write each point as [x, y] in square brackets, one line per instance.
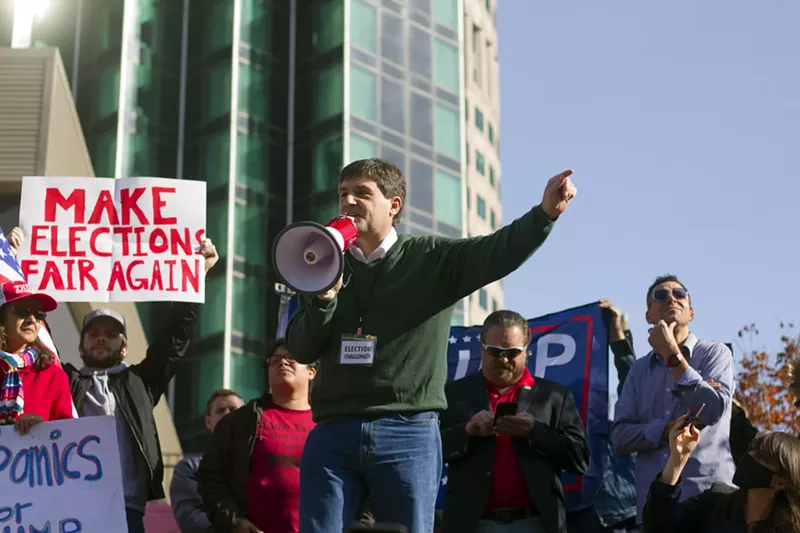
[335, 445]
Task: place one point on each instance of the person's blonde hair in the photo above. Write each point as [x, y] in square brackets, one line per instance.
[45, 357]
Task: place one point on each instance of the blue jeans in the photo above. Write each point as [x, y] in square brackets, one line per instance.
[394, 460]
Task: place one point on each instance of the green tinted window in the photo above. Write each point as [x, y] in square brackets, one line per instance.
[218, 92]
[494, 305]
[255, 30]
[327, 213]
[329, 25]
[250, 169]
[363, 93]
[448, 198]
[491, 133]
[251, 236]
[249, 313]
[327, 164]
[104, 154]
[445, 66]
[447, 131]
[361, 148]
[217, 225]
[330, 92]
[480, 163]
[251, 92]
[364, 26]
[108, 97]
[481, 207]
[210, 321]
[220, 23]
[445, 12]
[248, 376]
[491, 175]
[483, 299]
[492, 219]
[216, 160]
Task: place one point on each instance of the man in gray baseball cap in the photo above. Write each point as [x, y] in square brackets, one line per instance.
[108, 386]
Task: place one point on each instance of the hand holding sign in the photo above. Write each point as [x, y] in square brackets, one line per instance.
[15, 240]
[24, 423]
[209, 251]
[558, 192]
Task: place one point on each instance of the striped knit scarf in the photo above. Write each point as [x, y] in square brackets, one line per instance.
[11, 395]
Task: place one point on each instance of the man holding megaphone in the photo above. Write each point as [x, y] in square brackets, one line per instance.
[379, 334]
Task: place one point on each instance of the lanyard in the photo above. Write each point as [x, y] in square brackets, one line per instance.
[363, 304]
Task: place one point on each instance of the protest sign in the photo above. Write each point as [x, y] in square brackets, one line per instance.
[107, 240]
[62, 477]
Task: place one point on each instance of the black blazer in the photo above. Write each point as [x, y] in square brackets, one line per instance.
[557, 444]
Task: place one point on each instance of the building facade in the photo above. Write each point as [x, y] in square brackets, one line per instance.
[40, 135]
[483, 210]
[265, 101]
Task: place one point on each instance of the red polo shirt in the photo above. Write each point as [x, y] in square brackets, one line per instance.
[509, 488]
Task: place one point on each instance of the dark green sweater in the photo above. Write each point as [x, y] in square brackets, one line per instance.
[409, 311]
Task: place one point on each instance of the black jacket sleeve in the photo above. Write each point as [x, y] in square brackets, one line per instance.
[664, 514]
[624, 357]
[213, 481]
[171, 345]
[565, 445]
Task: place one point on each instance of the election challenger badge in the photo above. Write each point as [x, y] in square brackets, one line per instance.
[358, 350]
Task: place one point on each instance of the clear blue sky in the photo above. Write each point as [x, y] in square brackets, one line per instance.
[682, 122]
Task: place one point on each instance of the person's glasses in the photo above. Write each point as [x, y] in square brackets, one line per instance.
[24, 312]
[500, 351]
[678, 293]
[278, 361]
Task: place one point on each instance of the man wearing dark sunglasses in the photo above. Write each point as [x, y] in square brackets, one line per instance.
[507, 437]
[670, 381]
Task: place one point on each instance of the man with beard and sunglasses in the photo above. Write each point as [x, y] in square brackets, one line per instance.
[681, 375]
[507, 437]
[108, 386]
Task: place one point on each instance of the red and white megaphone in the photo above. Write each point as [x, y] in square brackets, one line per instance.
[309, 257]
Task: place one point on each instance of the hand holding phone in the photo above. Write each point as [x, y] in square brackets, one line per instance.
[692, 418]
[505, 409]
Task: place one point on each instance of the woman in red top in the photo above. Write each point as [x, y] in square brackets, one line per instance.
[33, 388]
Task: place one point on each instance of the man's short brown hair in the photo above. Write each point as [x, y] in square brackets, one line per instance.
[219, 393]
[387, 176]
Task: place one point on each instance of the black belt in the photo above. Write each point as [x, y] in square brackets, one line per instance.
[506, 515]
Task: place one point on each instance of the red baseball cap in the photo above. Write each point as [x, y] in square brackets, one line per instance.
[11, 291]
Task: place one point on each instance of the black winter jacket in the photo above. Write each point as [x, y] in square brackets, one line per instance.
[139, 388]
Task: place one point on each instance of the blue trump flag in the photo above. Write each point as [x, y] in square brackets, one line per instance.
[569, 347]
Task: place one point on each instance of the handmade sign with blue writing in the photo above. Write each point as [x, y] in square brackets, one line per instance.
[62, 477]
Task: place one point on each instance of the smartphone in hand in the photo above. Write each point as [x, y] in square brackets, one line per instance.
[692, 418]
[505, 409]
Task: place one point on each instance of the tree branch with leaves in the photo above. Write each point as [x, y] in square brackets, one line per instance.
[767, 385]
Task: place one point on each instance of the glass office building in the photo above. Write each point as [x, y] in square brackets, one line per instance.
[265, 101]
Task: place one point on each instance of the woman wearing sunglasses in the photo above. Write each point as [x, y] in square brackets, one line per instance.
[767, 500]
[32, 388]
